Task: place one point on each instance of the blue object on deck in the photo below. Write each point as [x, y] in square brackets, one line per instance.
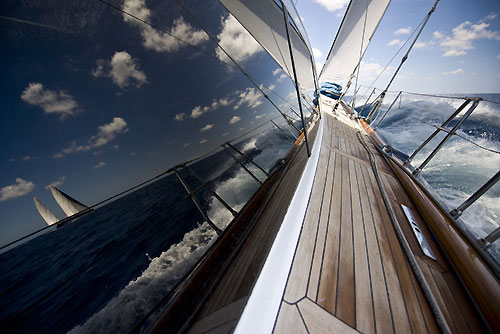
[332, 90]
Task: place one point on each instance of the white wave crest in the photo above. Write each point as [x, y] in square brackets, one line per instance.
[143, 293]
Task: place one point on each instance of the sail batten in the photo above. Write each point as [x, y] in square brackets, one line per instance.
[263, 19]
[47, 215]
[355, 33]
[69, 205]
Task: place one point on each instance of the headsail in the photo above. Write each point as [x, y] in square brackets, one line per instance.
[264, 20]
[358, 26]
[69, 205]
[47, 215]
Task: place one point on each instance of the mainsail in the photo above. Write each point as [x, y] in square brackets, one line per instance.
[47, 215]
[358, 26]
[264, 20]
[69, 205]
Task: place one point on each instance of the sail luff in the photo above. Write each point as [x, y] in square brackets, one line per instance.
[352, 38]
[47, 215]
[69, 205]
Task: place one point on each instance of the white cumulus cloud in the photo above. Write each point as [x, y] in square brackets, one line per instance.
[105, 134]
[403, 31]
[214, 105]
[52, 102]
[203, 141]
[332, 5]
[369, 71]
[57, 183]
[18, 189]
[463, 37]
[236, 41]
[395, 42]
[317, 53]
[100, 165]
[251, 97]
[206, 127]
[180, 117]
[159, 40]
[457, 71]
[235, 119]
[122, 69]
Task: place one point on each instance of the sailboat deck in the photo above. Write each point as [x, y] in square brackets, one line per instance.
[349, 272]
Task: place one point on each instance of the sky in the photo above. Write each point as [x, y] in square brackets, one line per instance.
[95, 101]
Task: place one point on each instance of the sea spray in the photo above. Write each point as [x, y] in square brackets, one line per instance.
[143, 293]
[460, 167]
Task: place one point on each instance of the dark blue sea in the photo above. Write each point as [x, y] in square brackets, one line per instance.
[106, 270]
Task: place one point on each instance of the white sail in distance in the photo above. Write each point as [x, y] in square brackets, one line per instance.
[264, 20]
[355, 33]
[69, 205]
[47, 215]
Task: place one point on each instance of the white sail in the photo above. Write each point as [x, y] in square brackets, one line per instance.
[351, 41]
[69, 205]
[264, 20]
[47, 215]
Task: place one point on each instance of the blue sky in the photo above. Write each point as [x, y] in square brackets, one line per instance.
[458, 51]
[95, 102]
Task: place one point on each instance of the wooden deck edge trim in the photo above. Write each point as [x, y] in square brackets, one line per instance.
[261, 310]
[478, 279]
[192, 292]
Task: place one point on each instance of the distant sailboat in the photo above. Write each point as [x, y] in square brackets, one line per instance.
[69, 205]
[47, 215]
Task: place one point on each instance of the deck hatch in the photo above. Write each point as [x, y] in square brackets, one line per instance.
[418, 233]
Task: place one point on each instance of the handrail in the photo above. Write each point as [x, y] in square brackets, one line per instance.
[468, 202]
[447, 137]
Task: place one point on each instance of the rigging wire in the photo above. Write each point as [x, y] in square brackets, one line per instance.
[252, 79]
[393, 57]
[216, 42]
[132, 235]
[433, 95]
[456, 134]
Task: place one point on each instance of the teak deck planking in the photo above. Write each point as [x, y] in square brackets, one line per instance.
[349, 273]
[355, 269]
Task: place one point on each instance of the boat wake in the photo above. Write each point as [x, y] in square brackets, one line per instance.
[140, 295]
[460, 167]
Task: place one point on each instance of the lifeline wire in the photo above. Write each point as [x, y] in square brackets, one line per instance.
[119, 243]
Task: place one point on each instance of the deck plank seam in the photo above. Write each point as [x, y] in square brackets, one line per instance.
[366, 248]
[453, 323]
[330, 313]
[383, 265]
[358, 160]
[302, 318]
[295, 252]
[383, 209]
[338, 253]
[317, 225]
[413, 283]
[352, 243]
[392, 250]
[326, 231]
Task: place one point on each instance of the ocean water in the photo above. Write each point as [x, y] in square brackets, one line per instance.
[460, 168]
[105, 271]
